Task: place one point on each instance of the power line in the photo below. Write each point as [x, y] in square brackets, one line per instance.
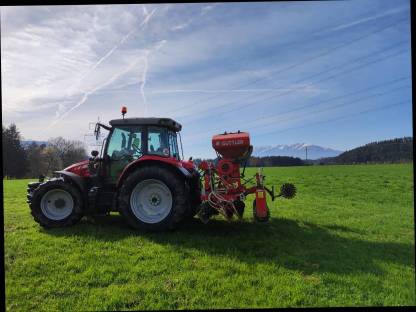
[340, 118]
[336, 98]
[335, 119]
[335, 106]
[301, 80]
[328, 51]
[311, 36]
[323, 110]
[339, 105]
[305, 61]
[327, 78]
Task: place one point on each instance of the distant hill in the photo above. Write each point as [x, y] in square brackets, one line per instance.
[388, 151]
[297, 150]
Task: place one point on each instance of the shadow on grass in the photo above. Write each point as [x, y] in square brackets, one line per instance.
[300, 246]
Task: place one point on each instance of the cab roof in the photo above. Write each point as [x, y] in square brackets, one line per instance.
[149, 121]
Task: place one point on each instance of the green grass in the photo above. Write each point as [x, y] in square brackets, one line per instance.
[347, 239]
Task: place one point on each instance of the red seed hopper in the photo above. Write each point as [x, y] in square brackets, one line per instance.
[232, 145]
[223, 191]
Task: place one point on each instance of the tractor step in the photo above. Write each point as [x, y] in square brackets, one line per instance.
[100, 200]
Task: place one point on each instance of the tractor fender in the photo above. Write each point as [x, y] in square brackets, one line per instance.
[173, 165]
[76, 179]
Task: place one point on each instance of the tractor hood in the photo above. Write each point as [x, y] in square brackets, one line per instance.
[80, 168]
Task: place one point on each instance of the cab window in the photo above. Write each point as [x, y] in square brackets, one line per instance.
[158, 141]
[173, 145]
[125, 142]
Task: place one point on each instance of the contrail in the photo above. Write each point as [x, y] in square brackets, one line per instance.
[143, 80]
[203, 11]
[111, 51]
[114, 77]
[144, 11]
[87, 94]
[145, 70]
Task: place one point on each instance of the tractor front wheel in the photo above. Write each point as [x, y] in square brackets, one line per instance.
[153, 198]
[55, 203]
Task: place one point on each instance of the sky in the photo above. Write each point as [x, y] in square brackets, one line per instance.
[331, 73]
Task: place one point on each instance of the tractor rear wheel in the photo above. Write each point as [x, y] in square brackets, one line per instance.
[55, 203]
[153, 198]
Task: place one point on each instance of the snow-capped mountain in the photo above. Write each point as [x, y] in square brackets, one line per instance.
[295, 150]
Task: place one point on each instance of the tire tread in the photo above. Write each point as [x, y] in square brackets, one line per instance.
[179, 195]
[34, 197]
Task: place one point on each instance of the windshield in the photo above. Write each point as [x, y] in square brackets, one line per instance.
[125, 142]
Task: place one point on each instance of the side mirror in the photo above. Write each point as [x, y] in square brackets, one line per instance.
[94, 153]
[97, 131]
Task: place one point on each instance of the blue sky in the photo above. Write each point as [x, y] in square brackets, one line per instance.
[335, 74]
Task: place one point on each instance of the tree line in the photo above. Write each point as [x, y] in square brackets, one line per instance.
[274, 161]
[35, 159]
[397, 150]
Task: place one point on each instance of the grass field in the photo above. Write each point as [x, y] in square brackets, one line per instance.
[347, 239]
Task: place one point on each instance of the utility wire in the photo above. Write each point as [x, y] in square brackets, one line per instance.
[326, 78]
[312, 37]
[322, 110]
[333, 119]
[325, 101]
[326, 52]
[320, 80]
[342, 104]
[340, 118]
[305, 61]
[299, 81]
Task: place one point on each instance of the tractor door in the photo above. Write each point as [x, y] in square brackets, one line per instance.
[124, 146]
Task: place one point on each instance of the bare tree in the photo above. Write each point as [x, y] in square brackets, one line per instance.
[68, 151]
[37, 162]
[50, 160]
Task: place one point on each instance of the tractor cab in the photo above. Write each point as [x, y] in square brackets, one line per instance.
[132, 139]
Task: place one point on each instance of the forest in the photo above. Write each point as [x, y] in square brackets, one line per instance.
[34, 160]
[399, 150]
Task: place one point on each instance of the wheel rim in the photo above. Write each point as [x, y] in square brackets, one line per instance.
[57, 204]
[151, 201]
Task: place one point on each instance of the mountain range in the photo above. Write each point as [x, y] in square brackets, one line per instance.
[295, 150]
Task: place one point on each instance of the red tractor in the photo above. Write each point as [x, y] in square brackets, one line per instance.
[141, 175]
